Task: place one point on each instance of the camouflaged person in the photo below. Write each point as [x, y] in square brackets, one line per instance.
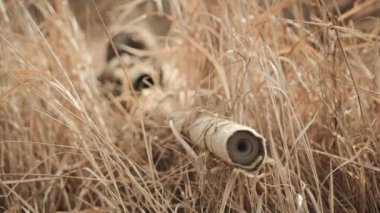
[127, 61]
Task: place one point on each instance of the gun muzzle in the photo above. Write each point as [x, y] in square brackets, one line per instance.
[234, 143]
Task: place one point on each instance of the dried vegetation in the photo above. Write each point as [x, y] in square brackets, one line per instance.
[305, 74]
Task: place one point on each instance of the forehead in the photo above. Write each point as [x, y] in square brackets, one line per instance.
[132, 61]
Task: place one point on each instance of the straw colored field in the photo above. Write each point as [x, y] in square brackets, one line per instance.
[304, 74]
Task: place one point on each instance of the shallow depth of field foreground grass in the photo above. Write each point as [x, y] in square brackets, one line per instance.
[310, 86]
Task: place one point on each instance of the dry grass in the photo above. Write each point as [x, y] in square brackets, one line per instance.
[310, 86]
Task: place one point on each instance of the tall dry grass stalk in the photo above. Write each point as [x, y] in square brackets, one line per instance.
[308, 82]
